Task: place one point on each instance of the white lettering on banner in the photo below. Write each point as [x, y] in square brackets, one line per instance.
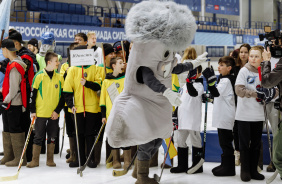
[27, 31]
[68, 34]
[65, 33]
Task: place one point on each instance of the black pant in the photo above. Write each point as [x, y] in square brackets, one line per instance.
[88, 125]
[69, 122]
[41, 128]
[12, 120]
[225, 138]
[250, 135]
[236, 136]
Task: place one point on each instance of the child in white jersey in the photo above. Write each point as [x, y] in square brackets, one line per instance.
[223, 112]
[250, 114]
[188, 118]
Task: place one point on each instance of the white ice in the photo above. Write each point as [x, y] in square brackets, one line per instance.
[62, 174]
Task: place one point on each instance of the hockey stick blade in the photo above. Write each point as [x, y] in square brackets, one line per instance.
[125, 171]
[196, 167]
[80, 169]
[269, 180]
[157, 178]
[9, 178]
[109, 165]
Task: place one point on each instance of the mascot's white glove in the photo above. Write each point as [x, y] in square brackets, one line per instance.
[173, 97]
[199, 60]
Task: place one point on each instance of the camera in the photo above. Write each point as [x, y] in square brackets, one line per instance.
[273, 41]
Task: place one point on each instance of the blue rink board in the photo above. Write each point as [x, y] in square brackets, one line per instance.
[213, 150]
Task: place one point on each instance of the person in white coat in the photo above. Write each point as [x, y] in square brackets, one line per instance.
[223, 112]
[188, 118]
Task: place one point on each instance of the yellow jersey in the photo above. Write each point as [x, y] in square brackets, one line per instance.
[105, 99]
[48, 94]
[101, 71]
[73, 85]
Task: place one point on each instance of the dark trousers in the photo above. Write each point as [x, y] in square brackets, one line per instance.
[12, 120]
[47, 125]
[148, 150]
[236, 136]
[225, 138]
[87, 128]
[250, 135]
[69, 122]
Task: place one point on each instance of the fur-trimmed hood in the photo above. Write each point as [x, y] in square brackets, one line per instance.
[168, 22]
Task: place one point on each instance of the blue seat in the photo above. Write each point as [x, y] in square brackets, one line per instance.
[63, 18]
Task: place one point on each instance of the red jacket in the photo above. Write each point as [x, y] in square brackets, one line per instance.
[6, 83]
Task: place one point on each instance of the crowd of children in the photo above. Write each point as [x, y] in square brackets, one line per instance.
[87, 93]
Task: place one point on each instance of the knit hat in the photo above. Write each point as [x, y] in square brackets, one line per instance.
[108, 48]
[15, 35]
[33, 42]
[117, 46]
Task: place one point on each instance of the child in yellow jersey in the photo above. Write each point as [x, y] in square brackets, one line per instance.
[68, 119]
[86, 105]
[46, 104]
[109, 54]
[113, 85]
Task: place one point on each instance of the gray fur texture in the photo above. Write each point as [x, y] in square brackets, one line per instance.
[171, 23]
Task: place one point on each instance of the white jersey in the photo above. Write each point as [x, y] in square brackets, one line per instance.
[223, 115]
[248, 109]
[98, 56]
[190, 110]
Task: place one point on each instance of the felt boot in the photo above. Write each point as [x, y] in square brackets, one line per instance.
[36, 150]
[18, 140]
[182, 161]
[8, 149]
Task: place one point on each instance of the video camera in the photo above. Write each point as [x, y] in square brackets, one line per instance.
[274, 46]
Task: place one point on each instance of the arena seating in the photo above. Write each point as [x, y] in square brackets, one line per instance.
[48, 6]
[72, 19]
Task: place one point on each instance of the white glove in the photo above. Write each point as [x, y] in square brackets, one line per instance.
[199, 60]
[173, 97]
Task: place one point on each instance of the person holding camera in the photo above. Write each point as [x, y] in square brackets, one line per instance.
[271, 78]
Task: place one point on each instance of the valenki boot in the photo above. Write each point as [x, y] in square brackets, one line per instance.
[97, 152]
[127, 158]
[18, 140]
[72, 153]
[8, 149]
[182, 161]
[245, 165]
[116, 159]
[50, 155]
[36, 150]
[196, 157]
[143, 173]
[227, 166]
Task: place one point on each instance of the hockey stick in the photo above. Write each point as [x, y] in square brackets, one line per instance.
[201, 162]
[266, 122]
[64, 127]
[269, 180]
[125, 171]
[77, 143]
[108, 163]
[267, 129]
[15, 177]
[156, 177]
[81, 168]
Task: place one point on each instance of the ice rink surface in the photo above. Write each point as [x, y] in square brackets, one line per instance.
[62, 174]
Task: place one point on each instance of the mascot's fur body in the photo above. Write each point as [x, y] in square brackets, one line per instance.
[140, 115]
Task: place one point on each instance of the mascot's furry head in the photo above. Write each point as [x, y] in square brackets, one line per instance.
[168, 22]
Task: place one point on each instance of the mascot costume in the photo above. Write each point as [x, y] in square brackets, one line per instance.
[141, 114]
